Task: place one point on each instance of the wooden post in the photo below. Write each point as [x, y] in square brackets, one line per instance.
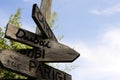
[45, 8]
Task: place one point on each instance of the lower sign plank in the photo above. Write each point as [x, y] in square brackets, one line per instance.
[48, 73]
[19, 63]
[52, 51]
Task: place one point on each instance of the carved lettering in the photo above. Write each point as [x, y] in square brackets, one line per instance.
[30, 53]
[34, 39]
[48, 73]
[59, 76]
[43, 23]
[20, 33]
[41, 70]
[39, 53]
[14, 64]
[33, 53]
[40, 18]
[32, 65]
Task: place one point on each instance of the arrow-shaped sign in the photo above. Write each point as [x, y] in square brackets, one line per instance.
[21, 64]
[52, 51]
[42, 23]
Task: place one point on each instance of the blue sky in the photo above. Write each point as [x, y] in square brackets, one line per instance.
[91, 27]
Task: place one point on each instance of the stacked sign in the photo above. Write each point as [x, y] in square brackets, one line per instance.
[29, 62]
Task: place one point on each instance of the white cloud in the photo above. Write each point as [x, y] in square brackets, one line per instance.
[108, 11]
[113, 36]
[100, 61]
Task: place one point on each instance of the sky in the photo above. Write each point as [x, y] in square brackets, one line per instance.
[91, 27]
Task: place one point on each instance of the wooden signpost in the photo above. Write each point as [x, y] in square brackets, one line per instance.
[30, 67]
[50, 50]
[46, 48]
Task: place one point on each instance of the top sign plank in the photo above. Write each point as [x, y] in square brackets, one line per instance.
[42, 23]
[52, 51]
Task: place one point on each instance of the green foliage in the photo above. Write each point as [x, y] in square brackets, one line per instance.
[5, 74]
[15, 19]
[9, 44]
[3, 41]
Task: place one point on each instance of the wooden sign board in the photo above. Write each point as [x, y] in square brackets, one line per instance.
[49, 73]
[19, 63]
[50, 50]
[42, 23]
[16, 62]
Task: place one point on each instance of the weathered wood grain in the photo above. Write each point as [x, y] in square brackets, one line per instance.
[42, 23]
[14, 61]
[53, 51]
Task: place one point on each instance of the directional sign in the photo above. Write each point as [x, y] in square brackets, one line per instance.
[16, 62]
[46, 72]
[50, 51]
[42, 23]
[19, 63]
